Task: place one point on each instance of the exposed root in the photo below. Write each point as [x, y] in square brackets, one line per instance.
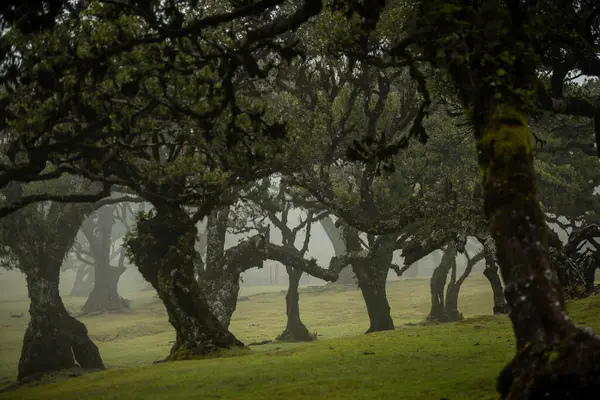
[569, 369]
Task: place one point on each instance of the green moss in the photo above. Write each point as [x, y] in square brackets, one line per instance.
[508, 140]
[553, 356]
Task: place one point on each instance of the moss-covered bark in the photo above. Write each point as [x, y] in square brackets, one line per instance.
[163, 250]
[555, 359]
[219, 275]
[54, 340]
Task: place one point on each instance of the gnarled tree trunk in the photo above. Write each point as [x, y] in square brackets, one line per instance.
[219, 276]
[451, 301]
[372, 283]
[222, 295]
[163, 250]
[54, 340]
[104, 296]
[295, 330]
[455, 284]
[491, 273]
[555, 359]
[438, 284]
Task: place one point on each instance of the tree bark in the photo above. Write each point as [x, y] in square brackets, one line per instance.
[163, 250]
[555, 359]
[54, 340]
[84, 281]
[295, 330]
[372, 279]
[371, 275]
[438, 284]
[221, 295]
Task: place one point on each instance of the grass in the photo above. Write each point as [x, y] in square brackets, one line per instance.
[456, 361]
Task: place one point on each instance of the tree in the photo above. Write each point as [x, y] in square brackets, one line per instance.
[277, 209]
[37, 239]
[94, 109]
[98, 232]
[132, 91]
[220, 271]
[554, 357]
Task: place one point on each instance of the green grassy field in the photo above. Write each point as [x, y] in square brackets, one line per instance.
[456, 361]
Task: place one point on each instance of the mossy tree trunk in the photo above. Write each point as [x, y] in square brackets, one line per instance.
[219, 276]
[294, 330]
[104, 296]
[54, 340]
[163, 250]
[555, 359]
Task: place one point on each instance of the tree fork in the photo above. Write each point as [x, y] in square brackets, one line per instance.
[163, 250]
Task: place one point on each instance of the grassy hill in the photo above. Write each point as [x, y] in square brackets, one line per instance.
[455, 361]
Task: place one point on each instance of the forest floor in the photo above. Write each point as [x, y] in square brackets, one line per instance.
[416, 361]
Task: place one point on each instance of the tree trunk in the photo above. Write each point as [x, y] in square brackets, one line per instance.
[438, 284]
[347, 276]
[84, 281]
[222, 295]
[105, 297]
[54, 340]
[555, 359]
[491, 273]
[295, 330]
[452, 291]
[454, 286]
[372, 283]
[163, 250]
